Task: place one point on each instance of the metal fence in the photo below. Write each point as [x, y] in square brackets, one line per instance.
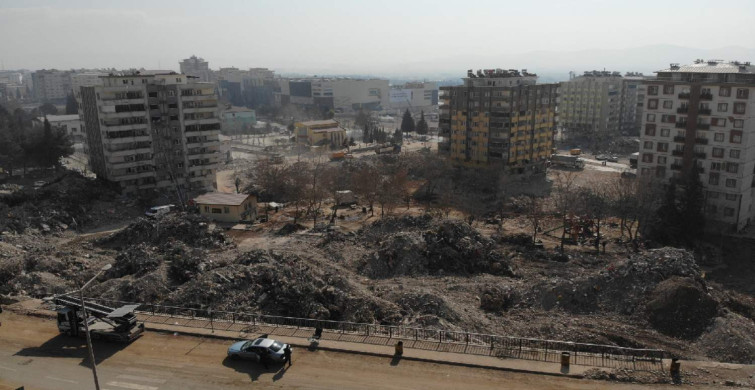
[433, 339]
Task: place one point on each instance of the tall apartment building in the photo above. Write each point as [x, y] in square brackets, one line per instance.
[152, 132]
[51, 85]
[499, 117]
[197, 67]
[590, 105]
[702, 115]
[253, 88]
[630, 114]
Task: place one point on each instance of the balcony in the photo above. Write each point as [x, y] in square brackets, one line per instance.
[706, 96]
[700, 155]
[682, 110]
[703, 111]
[703, 126]
[701, 141]
[681, 125]
[676, 167]
[684, 95]
[680, 138]
[677, 152]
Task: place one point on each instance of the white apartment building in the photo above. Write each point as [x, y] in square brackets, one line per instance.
[51, 85]
[152, 132]
[702, 114]
[590, 105]
[71, 124]
[414, 95]
[86, 79]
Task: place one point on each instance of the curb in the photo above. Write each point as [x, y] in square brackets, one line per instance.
[378, 354]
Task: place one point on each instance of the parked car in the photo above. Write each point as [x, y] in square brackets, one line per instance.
[253, 349]
[159, 210]
[602, 157]
[612, 159]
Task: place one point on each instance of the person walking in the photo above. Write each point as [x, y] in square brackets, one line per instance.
[287, 354]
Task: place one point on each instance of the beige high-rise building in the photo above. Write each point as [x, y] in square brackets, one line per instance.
[590, 105]
[51, 85]
[702, 115]
[153, 132]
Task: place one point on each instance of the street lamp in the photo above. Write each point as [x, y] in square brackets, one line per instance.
[86, 323]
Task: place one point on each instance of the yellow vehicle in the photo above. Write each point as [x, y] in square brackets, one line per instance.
[575, 152]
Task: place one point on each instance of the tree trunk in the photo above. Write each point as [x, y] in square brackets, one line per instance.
[597, 237]
[563, 234]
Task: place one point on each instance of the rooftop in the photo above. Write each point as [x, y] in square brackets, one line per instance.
[320, 122]
[328, 130]
[711, 66]
[59, 118]
[498, 73]
[221, 198]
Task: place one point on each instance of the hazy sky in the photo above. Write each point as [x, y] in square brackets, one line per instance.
[352, 36]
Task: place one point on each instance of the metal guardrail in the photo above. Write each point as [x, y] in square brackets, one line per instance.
[454, 341]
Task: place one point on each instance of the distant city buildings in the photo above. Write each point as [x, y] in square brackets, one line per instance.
[71, 124]
[51, 85]
[238, 119]
[700, 116]
[419, 95]
[151, 132]
[254, 87]
[499, 117]
[338, 94]
[197, 67]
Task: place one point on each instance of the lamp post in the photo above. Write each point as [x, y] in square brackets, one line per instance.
[86, 324]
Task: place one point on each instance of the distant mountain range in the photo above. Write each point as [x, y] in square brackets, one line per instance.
[551, 66]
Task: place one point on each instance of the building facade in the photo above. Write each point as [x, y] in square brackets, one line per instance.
[324, 132]
[51, 85]
[197, 67]
[499, 117]
[338, 94]
[71, 124]
[630, 115]
[222, 207]
[152, 132]
[418, 95]
[701, 116]
[238, 119]
[590, 105]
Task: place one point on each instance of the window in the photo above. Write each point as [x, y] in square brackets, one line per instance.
[732, 167]
[650, 117]
[718, 137]
[739, 108]
[650, 130]
[668, 89]
[720, 122]
[728, 212]
[735, 136]
[743, 93]
[647, 157]
[718, 152]
[723, 107]
[731, 183]
[662, 146]
[206, 209]
[217, 211]
[668, 104]
[648, 145]
[652, 104]
[731, 196]
[226, 210]
[713, 178]
[668, 118]
[665, 132]
[738, 123]
[661, 160]
[715, 166]
[734, 153]
[653, 90]
[724, 91]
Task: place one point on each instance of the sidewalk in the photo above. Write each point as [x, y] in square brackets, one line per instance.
[293, 336]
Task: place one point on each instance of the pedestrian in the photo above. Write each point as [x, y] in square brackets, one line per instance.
[287, 354]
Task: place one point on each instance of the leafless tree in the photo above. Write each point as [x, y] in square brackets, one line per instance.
[564, 196]
[367, 182]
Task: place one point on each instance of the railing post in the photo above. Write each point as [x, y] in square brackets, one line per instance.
[390, 332]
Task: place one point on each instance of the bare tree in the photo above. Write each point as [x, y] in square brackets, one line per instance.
[564, 199]
[533, 206]
[367, 182]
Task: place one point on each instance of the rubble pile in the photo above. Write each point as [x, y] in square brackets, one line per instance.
[420, 308]
[448, 247]
[66, 202]
[283, 284]
[681, 307]
[191, 229]
[497, 299]
[731, 338]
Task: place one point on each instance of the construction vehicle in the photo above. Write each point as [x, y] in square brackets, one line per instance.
[567, 161]
[105, 323]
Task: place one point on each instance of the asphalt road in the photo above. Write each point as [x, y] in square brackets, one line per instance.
[34, 355]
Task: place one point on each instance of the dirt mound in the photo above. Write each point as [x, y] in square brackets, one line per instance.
[450, 247]
[192, 229]
[423, 308]
[290, 228]
[731, 339]
[497, 298]
[680, 307]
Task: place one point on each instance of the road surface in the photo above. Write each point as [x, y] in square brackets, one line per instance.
[33, 354]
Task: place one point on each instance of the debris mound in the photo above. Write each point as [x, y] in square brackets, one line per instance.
[680, 307]
[497, 299]
[731, 338]
[290, 228]
[192, 229]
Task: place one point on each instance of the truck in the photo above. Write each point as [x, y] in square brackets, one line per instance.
[105, 323]
[567, 161]
[633, 160]
[575, 152]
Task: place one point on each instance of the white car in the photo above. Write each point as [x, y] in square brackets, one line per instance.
[159, 210]
[254, 349]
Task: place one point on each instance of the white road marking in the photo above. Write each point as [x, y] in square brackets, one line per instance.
[8, 368]
[141, 379]
[134, 386]
[60, 379]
